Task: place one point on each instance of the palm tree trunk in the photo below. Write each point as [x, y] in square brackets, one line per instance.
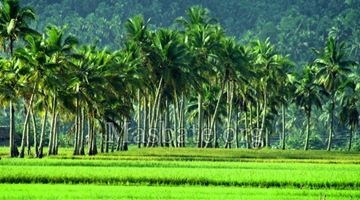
[308, 132]
[263, 127]
[103, 133]
[76, 133]
[94, 146]
[56, 135]
[247, 138]
[112, 134]
[90, 137]
[155, 140]
[35, 133]
[51, 135]
[350, 136]
[200, 121]
[23, 138]
[27, 121]
[125, 138]
[213, 120]
[154, 112]
[139, 121]
[121, 136]
[28, 139]
[107, 135]
[216, 139]
[144, 138]
[237, 127]
[251, 131]
[283, 126]
[230, 110]
[82, 143]
[42, 133]
[167, 125]
[331, 124]
[175, 122]
[182, 121]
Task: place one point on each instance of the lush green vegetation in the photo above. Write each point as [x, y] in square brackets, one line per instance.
[38, 191]
[188, 85]
[195, 154]
[162, 173]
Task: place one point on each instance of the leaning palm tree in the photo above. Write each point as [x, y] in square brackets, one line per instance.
[59, 49]
[11, 78]
[332, 68]
[307, 94]
[14, 25]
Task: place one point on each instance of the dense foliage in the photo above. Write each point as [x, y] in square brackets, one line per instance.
[98, 63]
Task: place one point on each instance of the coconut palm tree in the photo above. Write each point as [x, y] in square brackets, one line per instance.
[14, 22]
[13, 26]
[349, 112]
[59, 49]
[11, 82]
[307, 94]
[332, 68]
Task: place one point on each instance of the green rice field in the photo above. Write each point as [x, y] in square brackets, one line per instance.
[183, 174]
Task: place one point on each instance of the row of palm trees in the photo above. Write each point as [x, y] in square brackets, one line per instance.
[193, 75]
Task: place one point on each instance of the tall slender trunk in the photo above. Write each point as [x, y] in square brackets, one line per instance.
[102, 136]
[175, 123]
[119, 141]
[308, 132]
[107, 137]
[90, 136]
[112, 134]
[230, 110]
[154, 116]
[213, 120]
[237, 127]
[28, 110]
[28, 139]
[200, 121]
[167, 125]
[35, 133]
[182, 121]
[263, 126]
[161, 131]
[283, 126]
[56, 135]
[82, 143]
[51, 135]
[125, 138]
[94, 145]
[247, 137]
[77, 128]
[155, 140]
[23, 138]
[42, 133]
[144, 137]
[139, 121]
[216, 138]
[350, 136]
[251, 133]
[331, 124]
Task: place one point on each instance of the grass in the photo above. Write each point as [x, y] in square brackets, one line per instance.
[222, 155]
[169, 173]
[49, 192]
[299, 175]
